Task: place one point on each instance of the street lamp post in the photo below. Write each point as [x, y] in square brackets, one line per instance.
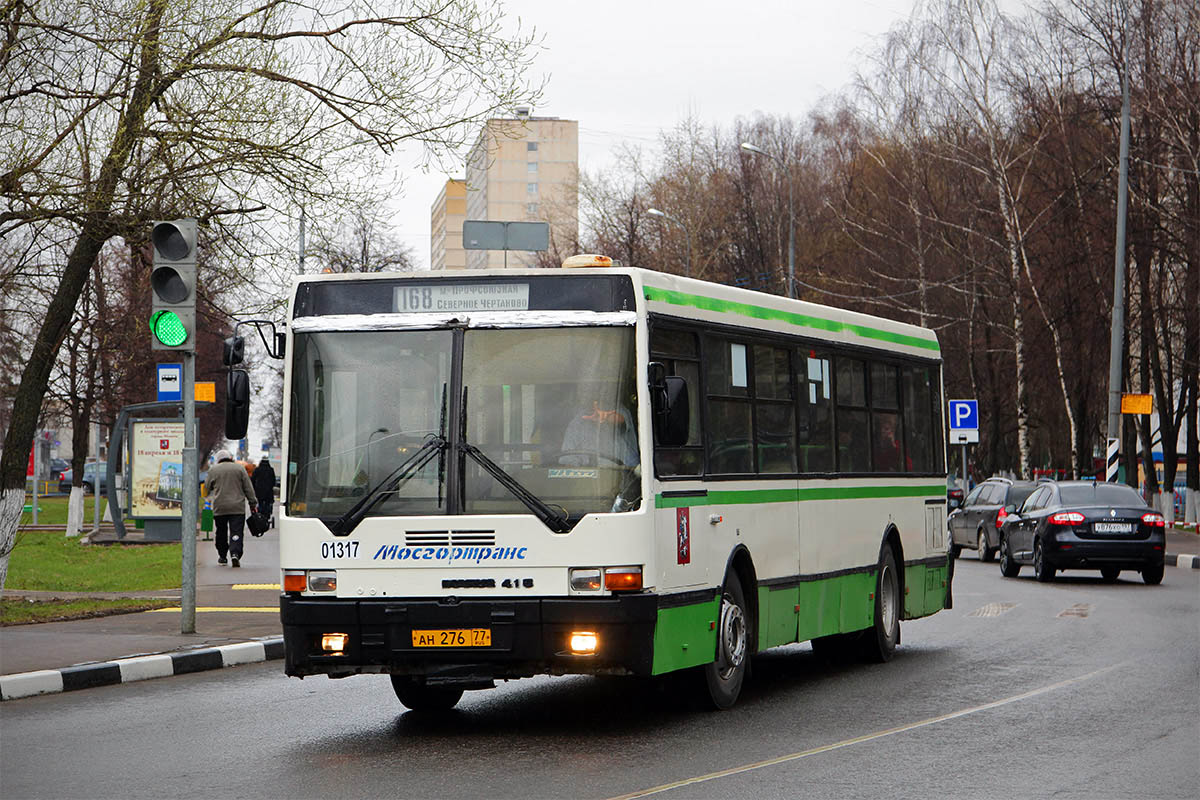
[687, 237]
[791, 282]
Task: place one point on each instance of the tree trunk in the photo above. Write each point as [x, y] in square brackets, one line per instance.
[27, 401]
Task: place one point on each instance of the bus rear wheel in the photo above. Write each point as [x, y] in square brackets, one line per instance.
[725, 675]
[879, 642]
[419, 696]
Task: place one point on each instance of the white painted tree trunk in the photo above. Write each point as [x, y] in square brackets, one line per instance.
[11, 503]
[1166, 506]
[1191, 506]
[75, 511]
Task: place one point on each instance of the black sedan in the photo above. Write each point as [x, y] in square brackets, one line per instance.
[1083, 525]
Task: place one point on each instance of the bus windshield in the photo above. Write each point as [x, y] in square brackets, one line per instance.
[554, 409]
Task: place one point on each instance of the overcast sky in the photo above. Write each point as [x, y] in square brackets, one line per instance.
[627, 69]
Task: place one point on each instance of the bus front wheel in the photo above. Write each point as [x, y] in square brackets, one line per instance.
[725, 675]
[419, 696]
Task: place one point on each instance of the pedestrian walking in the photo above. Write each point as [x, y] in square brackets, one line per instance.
[264, 489]
[229, 489]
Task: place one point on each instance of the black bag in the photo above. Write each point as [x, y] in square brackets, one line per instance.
[257, 524]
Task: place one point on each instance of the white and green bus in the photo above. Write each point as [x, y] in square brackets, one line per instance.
[599, 470]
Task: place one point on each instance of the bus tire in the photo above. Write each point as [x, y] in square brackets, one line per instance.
[419, 696]
[879, 642]
[725, 675]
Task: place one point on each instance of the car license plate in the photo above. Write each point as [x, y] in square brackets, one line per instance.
[1112, 527]
[453, 637]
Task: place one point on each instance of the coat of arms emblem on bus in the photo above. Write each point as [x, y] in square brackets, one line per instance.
[683, 535]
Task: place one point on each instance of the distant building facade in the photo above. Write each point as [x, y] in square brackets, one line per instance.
[446, 218]
[524, 168]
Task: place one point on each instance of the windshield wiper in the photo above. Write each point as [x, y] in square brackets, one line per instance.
[343, 525]
[552, 519]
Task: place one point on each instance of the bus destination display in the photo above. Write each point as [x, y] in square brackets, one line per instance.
[450, 297]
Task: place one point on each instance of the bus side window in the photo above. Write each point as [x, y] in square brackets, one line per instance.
[726, 374]
[918, 419]
[679, 353]
[854, 449]
[815, 380]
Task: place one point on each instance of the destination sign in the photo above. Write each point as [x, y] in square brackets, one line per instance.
[452, 297]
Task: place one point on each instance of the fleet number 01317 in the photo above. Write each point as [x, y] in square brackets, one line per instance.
[334, 550]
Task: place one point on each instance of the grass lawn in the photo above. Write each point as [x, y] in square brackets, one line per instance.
[53, 510]
[47, 560]
[19, 611]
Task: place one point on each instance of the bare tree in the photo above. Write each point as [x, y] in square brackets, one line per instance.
[113, 114]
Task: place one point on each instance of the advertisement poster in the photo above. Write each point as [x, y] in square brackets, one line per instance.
[156, 471]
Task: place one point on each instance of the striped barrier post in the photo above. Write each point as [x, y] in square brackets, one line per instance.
[1114, 460]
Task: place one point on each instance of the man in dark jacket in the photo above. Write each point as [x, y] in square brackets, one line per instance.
[229, 489]
[264, 488]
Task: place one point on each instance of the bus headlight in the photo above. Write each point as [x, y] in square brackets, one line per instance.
[585, 580]
[322, 581]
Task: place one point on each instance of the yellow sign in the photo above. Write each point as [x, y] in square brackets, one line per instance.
[206, 391]
[1137, 403]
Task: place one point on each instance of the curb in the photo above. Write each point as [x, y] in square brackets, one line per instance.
[138, 668]
[1184, 560]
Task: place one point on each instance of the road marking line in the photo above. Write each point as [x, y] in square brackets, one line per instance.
[205, 609]
[274, 586]
[1077, 610]
[725, 773]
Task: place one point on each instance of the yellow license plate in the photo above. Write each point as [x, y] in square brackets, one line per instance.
[455, 637]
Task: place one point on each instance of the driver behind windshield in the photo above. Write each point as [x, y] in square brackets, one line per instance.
[598, 435]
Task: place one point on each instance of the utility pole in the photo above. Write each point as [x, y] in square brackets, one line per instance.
[1117, 341]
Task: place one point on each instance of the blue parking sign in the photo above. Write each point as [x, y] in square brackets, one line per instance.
[964, 415]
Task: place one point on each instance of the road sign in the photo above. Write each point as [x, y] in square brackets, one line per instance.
[964, 436]
[964, 415]
[170, 382]
[496, 235]
[206, 391]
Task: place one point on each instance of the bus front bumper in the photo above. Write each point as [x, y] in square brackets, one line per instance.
[529, 636]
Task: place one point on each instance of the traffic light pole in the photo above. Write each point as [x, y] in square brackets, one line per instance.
[191, 498]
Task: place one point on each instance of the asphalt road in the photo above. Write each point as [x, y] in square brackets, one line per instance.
[1077, 689]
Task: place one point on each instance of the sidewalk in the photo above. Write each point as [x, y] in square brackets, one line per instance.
[233, 607]
[237, 621]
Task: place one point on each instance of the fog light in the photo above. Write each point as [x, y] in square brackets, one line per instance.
[334, 644]
[583, 643]
[295, 581]
[322, 581]
[623, 579]
[585, 580]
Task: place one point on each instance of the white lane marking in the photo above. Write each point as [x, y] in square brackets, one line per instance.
[725, 773]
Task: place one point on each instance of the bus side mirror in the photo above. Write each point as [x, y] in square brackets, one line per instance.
[669, 400]
[234, 351]
[237, 404]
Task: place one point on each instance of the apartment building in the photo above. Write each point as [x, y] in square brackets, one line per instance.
[524, 168]
[446, 218]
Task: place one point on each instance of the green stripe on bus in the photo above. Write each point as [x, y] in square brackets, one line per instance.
[803, 320]
[746, 496]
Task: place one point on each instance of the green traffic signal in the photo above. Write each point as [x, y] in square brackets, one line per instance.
[168, 328]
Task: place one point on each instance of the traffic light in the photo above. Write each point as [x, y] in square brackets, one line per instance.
[173, 285]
